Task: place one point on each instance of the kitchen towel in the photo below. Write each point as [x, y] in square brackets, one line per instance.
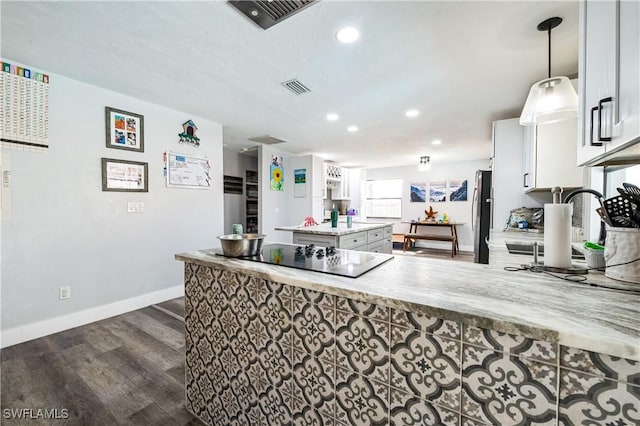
[557, 235]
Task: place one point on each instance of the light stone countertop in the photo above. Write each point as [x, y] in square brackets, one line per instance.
[531, 304]
[341, 229]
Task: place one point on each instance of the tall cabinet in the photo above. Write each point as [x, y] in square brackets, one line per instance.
[251, 201]
[609, 69]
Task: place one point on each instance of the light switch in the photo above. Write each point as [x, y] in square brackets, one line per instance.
[131, 207]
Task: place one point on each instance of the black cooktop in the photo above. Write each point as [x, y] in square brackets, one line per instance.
[329, 260]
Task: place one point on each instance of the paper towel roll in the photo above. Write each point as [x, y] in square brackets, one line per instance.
[557, 235]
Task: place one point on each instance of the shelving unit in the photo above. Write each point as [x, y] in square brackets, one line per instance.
[251, 201]
[232, 185]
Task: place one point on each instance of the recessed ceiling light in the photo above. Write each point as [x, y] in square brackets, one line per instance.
[348, 35]
[412, 113]
[254, 12]
[352, 129]
[436, 142]
[332, 117]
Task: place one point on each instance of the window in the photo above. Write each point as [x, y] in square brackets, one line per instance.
[384, 198]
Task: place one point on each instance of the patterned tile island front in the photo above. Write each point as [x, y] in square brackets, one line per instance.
[412, 342]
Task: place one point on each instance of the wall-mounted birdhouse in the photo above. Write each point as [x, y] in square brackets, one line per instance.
[188, 134]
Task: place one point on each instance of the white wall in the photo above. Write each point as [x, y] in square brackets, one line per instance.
[62, 229]
[459, 211]
[300, 207]
[236, 164]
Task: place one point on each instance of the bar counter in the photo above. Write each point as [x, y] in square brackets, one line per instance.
[414, 341]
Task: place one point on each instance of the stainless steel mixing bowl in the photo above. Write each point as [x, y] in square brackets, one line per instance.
[241, 245]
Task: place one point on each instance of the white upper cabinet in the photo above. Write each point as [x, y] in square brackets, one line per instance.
[341, 187]
[549, 156]
[628, 112]
[345, 185]
[609, 72]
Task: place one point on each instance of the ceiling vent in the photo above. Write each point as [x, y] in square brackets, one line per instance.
[269, 13]
[267, 140]
[296, 86]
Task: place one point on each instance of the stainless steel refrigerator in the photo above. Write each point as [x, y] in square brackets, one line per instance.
[481, 216]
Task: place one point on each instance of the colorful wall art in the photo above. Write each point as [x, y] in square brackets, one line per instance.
[277, 173]
[458, 189]
[125, 130]
[437, 191]
[300, 183]
[418, 192]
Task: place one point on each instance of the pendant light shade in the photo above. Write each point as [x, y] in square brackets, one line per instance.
[552, 99]
[424, 164]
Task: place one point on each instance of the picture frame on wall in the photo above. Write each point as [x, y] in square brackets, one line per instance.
[418, 191]
[124, 175]
[124, 129]
[458, 189]
[437, 191]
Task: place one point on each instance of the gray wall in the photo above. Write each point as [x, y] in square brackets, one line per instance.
[236, 164]
[62, 230]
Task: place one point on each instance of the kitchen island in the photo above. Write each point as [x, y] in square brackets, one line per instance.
[413, 341]
[362, 236]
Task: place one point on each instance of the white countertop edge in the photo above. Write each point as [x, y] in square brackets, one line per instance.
[576, 329]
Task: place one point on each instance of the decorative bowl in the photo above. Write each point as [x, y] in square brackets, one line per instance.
[241, 245]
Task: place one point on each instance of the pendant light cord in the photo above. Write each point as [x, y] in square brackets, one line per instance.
[547, 25]
[549, 72]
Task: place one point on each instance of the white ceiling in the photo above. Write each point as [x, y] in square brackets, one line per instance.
[462, 64]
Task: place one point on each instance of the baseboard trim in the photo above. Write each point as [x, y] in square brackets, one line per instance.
[49, 326]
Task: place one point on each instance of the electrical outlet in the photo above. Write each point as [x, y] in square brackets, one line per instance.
[135, 207]
[65, 293]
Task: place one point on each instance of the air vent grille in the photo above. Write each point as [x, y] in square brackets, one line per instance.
[267, 140]
[281, 9]
[296, 86]
[268, 13]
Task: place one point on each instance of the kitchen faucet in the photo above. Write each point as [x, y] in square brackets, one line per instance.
[603, 233]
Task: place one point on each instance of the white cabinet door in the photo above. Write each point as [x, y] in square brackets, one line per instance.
[555, 156]
[597, 75]
[388, 247]
[529, 158]
[345, 185]
[610, 78]
[627, 126]
[549, 156]
[376, 247]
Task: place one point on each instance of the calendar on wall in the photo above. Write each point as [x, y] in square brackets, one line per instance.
[24, 107]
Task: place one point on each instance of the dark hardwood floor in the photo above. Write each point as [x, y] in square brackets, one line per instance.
[445, 254]
[125, 370]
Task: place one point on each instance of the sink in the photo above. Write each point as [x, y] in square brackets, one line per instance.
[527, 249]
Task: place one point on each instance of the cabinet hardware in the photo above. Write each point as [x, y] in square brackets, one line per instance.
[524, 180]
[592, 143]
[600, 104]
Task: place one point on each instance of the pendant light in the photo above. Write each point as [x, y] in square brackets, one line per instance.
[552, 99]
[424, 163]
